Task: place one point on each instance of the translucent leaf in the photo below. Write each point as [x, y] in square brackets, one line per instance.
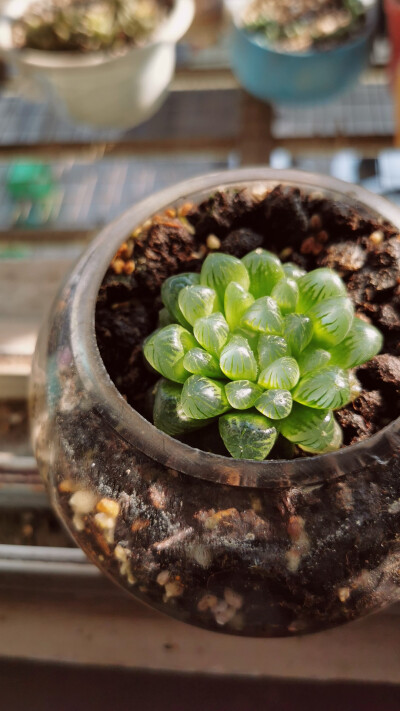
[263, 316]
[327, 388]
[203, 398]
[312, 358]
[165, 318]
[212, 333]
[252, 337]
[168, 415]
[170, 294]
[237, 301]
[237, 360]
[286, 293]
[361, 344]
[270, 348]
[247, 435]
[311, 429]
[166, 349]
[198, 362]
[219, 270]
[282, 374]
[242, 394]
[319, 285]
[298, 332]
[332, 320]
[148, 347]
[196, 302]
[322, 447]
[265, 270]
[275, 404]
[292, 271]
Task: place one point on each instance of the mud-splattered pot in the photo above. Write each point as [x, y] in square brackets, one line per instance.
[263, 549]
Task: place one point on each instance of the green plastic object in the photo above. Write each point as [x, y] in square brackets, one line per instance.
[29, 181]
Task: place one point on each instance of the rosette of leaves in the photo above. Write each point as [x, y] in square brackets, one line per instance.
[260, 348]
[90, 26]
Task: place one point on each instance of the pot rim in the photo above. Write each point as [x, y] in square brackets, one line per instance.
[235, 7]
[109, 404]
[174, 26]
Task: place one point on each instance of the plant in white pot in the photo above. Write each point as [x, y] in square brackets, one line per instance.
[112, 86]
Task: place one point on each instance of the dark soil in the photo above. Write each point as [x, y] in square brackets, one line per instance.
[307, 229]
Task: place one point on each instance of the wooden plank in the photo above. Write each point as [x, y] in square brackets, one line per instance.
[116, 634]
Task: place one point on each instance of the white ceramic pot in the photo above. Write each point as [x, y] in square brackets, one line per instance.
[97, 88]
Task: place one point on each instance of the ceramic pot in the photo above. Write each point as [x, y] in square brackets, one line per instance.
[98, 88]
[269, 548]
[296, 77]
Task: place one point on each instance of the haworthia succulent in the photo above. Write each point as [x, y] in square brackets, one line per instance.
[271, 350]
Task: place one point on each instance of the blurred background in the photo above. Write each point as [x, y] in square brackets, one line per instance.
[82, 138]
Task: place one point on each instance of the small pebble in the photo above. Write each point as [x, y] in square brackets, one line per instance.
[118, 265]
[213, 242]
[129, 267]
[376, 237]
[163, 577]
[109, 507]
[173, 589]
[315, 222]
[185, 209]
[343, 594]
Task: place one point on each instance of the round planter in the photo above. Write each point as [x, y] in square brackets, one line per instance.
[296, 77]
[264, 549]
[98, 88]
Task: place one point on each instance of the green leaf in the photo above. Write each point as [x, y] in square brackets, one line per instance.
[252, 337]
[212, 333]
[203, 398]
[237, 360]
[170, 294]
[198, 362]
[282, 374]
[312, 359]
[166, 349]
[196, 302]
[298, 332]
[263, 316]
[317, 286]
[322, 447]
[326, 388]
[247, 435]
[270, 348]
[168, 415]
[332, 320]
[265, 270]
[165, 318]
[292, 271]
[219, 270]
[275, 404]
[148, 347]
[312, 430]
[237, 301]
[242, 394]
[286, 293]
[361, 344]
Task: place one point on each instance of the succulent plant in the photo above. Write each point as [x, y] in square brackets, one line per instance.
[90, 26]
[263, 347]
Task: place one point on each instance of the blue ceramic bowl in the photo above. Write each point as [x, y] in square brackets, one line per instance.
[299, 77]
